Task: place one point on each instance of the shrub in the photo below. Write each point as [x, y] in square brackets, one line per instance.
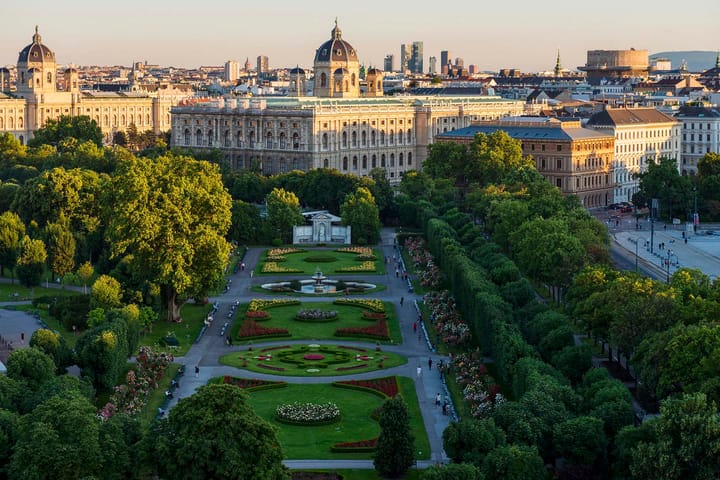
[276, 242]
[359, 446]
[316, 315]
[320, 259]
[295, 284]
[71, 310]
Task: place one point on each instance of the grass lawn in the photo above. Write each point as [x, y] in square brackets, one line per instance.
[368, 474]
[348, 316]
[343, 260]
[370, 291]
[16, 292]
[301, 442]
[193, 317]
[257, 361]
[157, 396]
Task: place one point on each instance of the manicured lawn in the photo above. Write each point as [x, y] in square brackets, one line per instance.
[370, 291]
[193, 317]
[157, 397]
[297, 261]
[268, 360]
[16, 292]
[348, 317]
[368, 474]
[301, 442]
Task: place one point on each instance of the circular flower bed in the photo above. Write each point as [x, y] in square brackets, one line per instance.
[313, 356]
[307, 413]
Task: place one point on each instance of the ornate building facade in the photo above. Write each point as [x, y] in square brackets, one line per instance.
[36, 98]
[340, 127]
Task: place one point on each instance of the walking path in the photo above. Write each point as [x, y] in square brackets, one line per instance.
[207, 352]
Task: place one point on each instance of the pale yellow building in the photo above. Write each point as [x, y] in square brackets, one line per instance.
[37, 98]
[340, 127]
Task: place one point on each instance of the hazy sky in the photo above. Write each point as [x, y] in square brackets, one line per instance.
[521, 34]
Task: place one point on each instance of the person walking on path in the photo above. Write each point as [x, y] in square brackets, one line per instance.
[414, 326]
[429, 363]
[197, 371]
[438, 399]
[402, 300]
[419, 371]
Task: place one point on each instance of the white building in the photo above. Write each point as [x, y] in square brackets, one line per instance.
[641, 135]
[700, 135]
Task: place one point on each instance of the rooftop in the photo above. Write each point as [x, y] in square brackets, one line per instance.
[530, 130]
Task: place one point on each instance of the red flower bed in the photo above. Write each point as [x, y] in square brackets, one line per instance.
[352, 367]
[247, 382]
[387, 385]
[358, 349]
[257, 315]
[368, 315]
[313, 356]
[270, 367]
[379, 330]
[269, 349]
[371, 443]
[250, 328]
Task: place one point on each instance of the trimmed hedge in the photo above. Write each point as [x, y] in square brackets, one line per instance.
[320, 259]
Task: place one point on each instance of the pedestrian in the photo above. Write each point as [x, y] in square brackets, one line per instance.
[397, 273]
[252, 272]
[197, 371]
[402, 300]
[393, 257]
[429, 363]
[438, 399]
[414, 326]
[419, 371]
[242, 266]
[445, 408]
[685, 240]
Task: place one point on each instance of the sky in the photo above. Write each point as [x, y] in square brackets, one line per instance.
[524, 34]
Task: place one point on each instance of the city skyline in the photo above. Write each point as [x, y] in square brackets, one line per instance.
[177, 34]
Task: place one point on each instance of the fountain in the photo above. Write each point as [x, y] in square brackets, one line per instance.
[318, 284]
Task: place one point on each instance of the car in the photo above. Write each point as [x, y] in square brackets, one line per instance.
[626, 209]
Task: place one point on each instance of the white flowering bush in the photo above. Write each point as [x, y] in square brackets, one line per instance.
[308, 413]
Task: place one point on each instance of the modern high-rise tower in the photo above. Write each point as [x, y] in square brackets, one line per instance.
[405, 52]
[416, 59]
[263, 65]
[432, 69]
[445, 60]
[232, 70]
[389, 65]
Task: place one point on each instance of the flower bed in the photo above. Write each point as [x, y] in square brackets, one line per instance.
[428, 273]
[373, 315]
[277, 347]
[313, 356]
[275, 258]
[283, 251]
[273, 267]
[270, 367]
[355, 447]
[356, 250]
[351, 367]
[329, 355]
[366, 266]
[445, 318]
[252, 384]
[480, 391]
[366, 258]
[257, 315]
[320, 259]
[370, 303]
[376, 331]
[308, 413]
[259, 304]
[316, 315]
[250, 329]
[386, 387]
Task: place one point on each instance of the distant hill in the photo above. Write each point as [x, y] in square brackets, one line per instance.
[697, 60]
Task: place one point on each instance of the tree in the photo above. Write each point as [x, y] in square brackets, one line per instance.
[60, 245]
[30, 261]
[246, 223]
[687, 444]
[360, 212]
[80, 127]
[54, 345]
[283, 211]
[85, 272]
[491, 157]
[445, 160]
[10, 147]
[384, 194]
[51, 195]
[216, 434]
[470, 440]
[662, 180]
[514, 462]
[31, 366]
[58, 441]
[12, 230]
[102, 354]
[453, 471]
[172, 214]
[581, 440]
[394, 453]
[106, 293]
[8, 434]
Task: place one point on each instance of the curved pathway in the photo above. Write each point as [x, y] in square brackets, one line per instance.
[207, 352]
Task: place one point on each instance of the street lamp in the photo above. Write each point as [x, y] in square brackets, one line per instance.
[696, 217]
[637, 242]
[668, 262]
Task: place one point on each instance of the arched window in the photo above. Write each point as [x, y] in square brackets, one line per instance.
[400, 137]
[147, 120]
[269, 140]
[20, 122]
[382, 138]
[326, 163]
[251, 139]
[391, 137]
[228, 141]
[382, 161]
[198, 137]
[379, 86]
[344, 139]
[239, 139]
[210, 138]
[106, 121]
[352, 79]
[323, 80]
[372, 138]
[122, 120]
[354, 139]
[2, 123]
[296, 141]
[363, 138]
[354, 162]
[364, 162]
[373, 162]
[409, 135]
[409, 158]
[187, 136]
[11, 123]
[344, 163]
[400, 160]
[325, 141]
[114, 121]
[282, 140]
[392, 160]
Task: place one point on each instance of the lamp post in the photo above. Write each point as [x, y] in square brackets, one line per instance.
[637, 242]
[696, 217]
[668, 262]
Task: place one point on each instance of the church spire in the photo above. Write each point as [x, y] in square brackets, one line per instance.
[558, 66]
[37, 38]
[336, 32]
